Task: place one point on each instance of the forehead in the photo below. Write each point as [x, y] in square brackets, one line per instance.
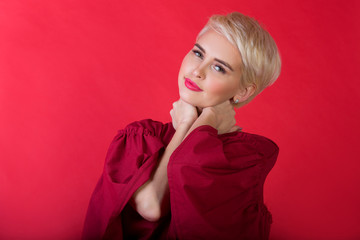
[217, 46]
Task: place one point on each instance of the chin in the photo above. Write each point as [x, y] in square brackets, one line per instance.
[188, 99]
[193, 102]
[194, 99]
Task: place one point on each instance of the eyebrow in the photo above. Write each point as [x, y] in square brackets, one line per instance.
[216, 59]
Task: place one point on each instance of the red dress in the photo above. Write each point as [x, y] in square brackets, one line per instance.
[215, 181]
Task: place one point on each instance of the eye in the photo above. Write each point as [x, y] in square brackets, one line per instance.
[197, 53]
[219, 69]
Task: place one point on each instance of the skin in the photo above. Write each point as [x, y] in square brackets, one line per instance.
[214, 65]
[218, 82]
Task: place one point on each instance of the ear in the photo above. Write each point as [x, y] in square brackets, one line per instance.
[244, 93]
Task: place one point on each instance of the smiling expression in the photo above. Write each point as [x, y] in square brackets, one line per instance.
[210, 73]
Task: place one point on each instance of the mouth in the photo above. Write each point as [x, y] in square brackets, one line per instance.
[192, 85]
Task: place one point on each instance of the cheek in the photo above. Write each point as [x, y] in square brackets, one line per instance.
[219, 88]
[185, 63]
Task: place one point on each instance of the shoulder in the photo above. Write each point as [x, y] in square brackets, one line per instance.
[263, 145]
[251, 142]
[248, 148]
[149, 127]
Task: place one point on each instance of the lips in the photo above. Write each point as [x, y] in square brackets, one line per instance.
[192, 85]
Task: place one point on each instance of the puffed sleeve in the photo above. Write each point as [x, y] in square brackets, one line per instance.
[216, 185]
[131, 157]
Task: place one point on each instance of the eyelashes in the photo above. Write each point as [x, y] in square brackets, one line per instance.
[219, 69]
[198, 54]
[216, 67]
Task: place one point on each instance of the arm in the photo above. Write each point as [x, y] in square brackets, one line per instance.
[220, 117]
[151, 200]
[224, 179]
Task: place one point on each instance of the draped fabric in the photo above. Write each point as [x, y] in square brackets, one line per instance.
[215, 181]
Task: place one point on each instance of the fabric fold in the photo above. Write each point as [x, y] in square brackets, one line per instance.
[132, 155]
[216, 189]
[215, 181]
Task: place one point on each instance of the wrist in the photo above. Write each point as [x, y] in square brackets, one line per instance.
[184, 126]
[207, 117]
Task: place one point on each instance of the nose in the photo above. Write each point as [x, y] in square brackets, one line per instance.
[199, 72]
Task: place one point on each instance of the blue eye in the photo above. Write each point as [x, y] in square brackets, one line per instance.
[197, 53]
[219, 69]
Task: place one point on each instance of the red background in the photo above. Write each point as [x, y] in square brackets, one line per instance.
[73, 72]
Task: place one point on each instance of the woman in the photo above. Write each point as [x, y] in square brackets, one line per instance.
[199, 177]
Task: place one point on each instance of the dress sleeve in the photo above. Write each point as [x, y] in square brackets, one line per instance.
[216, 185]
[132, 155]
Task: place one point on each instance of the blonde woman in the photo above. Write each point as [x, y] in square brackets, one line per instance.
[200, 176]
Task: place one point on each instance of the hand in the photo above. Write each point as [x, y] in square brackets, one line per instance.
[183, 113]
[221, 117]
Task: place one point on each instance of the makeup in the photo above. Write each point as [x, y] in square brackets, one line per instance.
[192, 85]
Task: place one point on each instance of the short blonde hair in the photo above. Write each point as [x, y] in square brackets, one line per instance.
[261, 61]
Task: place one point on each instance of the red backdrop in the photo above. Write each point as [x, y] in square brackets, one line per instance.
[73, 72]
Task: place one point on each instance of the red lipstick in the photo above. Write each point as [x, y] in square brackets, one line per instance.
[192, 85]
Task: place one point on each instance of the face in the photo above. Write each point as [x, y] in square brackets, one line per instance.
[210, 72]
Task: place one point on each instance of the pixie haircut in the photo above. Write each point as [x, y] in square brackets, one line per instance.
[260, 57]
